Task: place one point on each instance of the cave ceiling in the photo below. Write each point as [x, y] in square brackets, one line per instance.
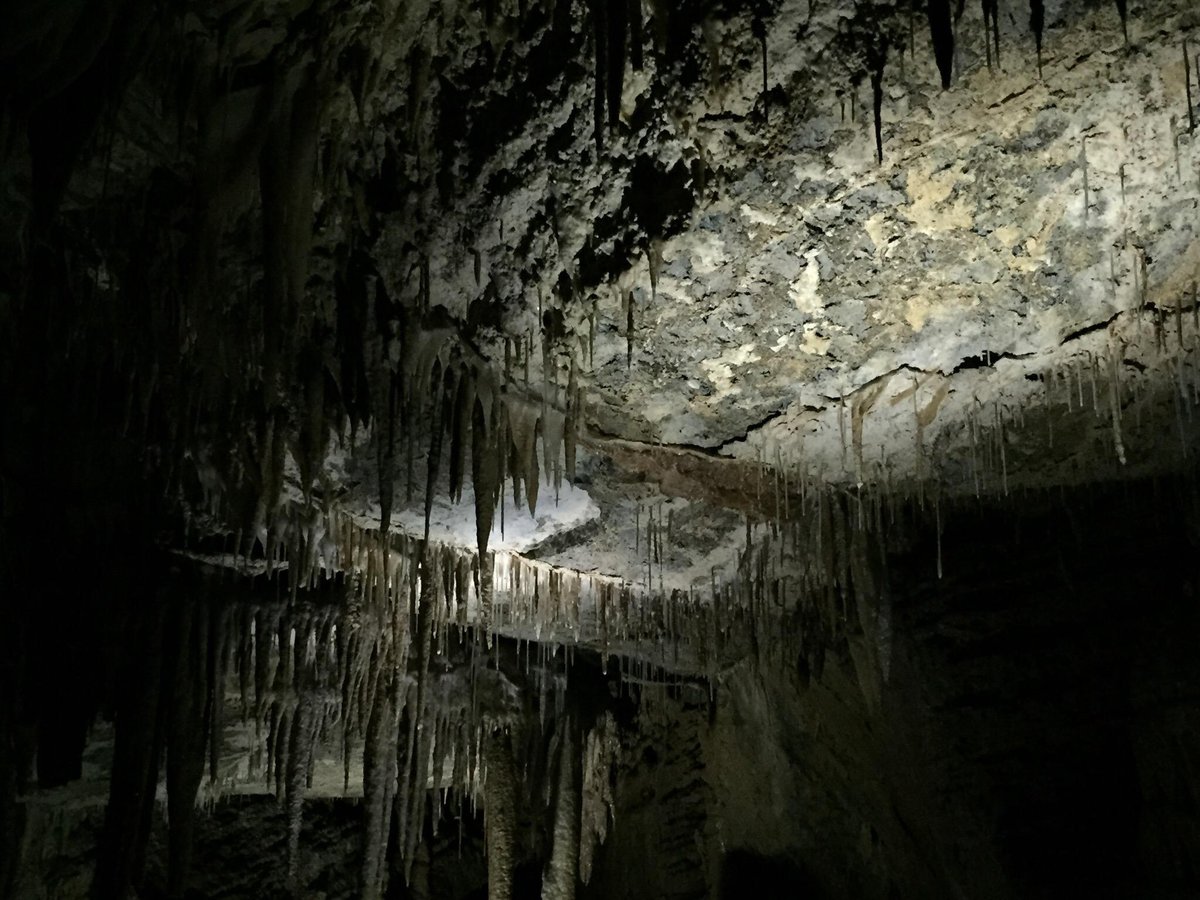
[610, 289]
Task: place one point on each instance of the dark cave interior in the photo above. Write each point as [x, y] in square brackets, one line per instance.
[613, 448]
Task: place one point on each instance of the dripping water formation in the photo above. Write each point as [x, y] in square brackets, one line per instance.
[572, 450]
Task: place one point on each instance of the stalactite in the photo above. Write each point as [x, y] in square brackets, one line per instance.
[573, 420]
[600, 60]
[500, 812]
[987, 42]
[460, 424]
[503, 444]
[628, 303]
[1123, 12]
[942, 33]
[185, 738]
[215, 686]
[600, 748]
[654, 264]
[435, 449]
[385, 419]
[1187, 82]
[523, 420]
[877, 59]
[143, 676]
[634, 15]
[1037, 22]
[419, 792]
[758, 29]
[1083, 162]
[616, 16]
[403, 763]
[1114, 397]
[411, 800]
[558, 883]
[245, 657]
[994, 8]
[379, 786]
[485, 480]
[299, 759]
[1196, 309]
[553, 425]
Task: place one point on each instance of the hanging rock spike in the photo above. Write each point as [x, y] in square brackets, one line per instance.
[1187, 81]
[435, 445]
[941, 31]
[758, 29]
[616, 13]
[499, 809]
[485, 480]
[600, 60]
[877, 57]
[1037, 21]
[460, 423]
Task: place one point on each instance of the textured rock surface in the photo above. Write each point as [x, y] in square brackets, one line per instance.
[673, 446]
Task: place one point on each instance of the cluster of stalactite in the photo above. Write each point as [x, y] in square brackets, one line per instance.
[795, 572]
[269, 694]
[447, 412]
[307, 360]
[1112, 388]
[308, 366]
[1120, 387]
[351, 671]
[810, 579]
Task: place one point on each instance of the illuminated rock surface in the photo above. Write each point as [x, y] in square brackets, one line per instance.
[599, 449]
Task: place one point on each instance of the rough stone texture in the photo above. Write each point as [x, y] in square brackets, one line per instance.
[867, 521]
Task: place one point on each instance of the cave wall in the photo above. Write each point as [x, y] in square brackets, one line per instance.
[259, 260]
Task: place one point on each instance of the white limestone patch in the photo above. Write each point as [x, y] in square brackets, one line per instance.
[804, 292]
[720, 370]
[759, 216]
[454, 523]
